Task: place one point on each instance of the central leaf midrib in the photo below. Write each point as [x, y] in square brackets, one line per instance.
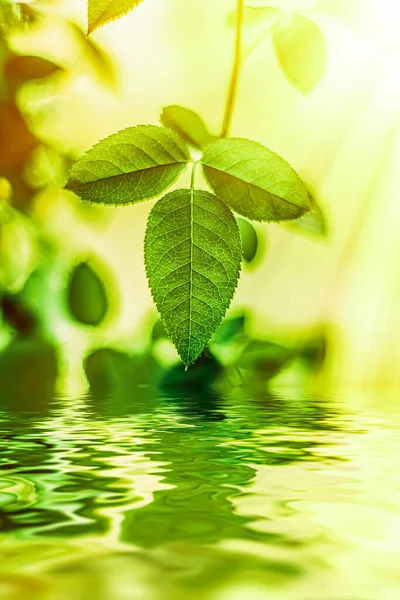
[191, 269]
[127, 174]
[255, 186]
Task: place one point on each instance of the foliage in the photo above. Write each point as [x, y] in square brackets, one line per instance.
[193, 247]
[297, 41]
[192, 256]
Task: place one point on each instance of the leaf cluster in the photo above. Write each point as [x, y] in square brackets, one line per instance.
[194, 244]
[196, 239]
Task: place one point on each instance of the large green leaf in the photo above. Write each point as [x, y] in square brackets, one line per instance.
[301, 51]
[254, 181]
[134, 164]
[187, 124]
[101, 12]
[192, 255]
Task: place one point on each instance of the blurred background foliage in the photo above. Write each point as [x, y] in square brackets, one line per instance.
[318, 301]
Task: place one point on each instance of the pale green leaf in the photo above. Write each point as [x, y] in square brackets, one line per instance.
[101, 12]
[249, 239]
[301, 52]
[135, 164]
[254, 181]
[257, 24]
[187, 124]
[192, 255]
[313, 223]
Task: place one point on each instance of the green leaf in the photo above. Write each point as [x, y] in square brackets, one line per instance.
[187, 124]
[231, 329]
[301, 52]
[254, 181]
[313, 223]
[87, 297]
[135, 164]
[101, 12]
[265, 358]
[201, 376]
[192, 256]
[249, 239]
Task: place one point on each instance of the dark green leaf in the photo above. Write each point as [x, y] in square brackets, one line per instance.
[301, 51]
[266, 358]
[230, 329]
[187, 124]
[200, 375]
[192, 256]
[159, 332]
[254, 181]
[101, 12]
[112, 372]
[135, 164]
[249, 239]
[87, 297]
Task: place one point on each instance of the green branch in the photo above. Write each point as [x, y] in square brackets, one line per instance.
[230, 100]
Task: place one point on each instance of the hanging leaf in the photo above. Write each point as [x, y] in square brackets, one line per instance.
[187, 124]
[192, 256]
[249, 239]
[135, 164]
[254, 181]
[87, 297]
[101, 12]
[301, 52]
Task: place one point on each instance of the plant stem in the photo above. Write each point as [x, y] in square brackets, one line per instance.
[231, 97]
[193, 174]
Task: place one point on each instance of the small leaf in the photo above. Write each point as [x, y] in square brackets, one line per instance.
[101, 12]
[187, 124]
[249, 239]
[159, 332]
[313, 223]
[231, 329]
[135, 164]
[87, 298]
[254, 181]
[301, 51]
[192, 256]
[264, 357]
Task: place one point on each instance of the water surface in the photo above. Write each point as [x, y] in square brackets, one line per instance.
[211, 497]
